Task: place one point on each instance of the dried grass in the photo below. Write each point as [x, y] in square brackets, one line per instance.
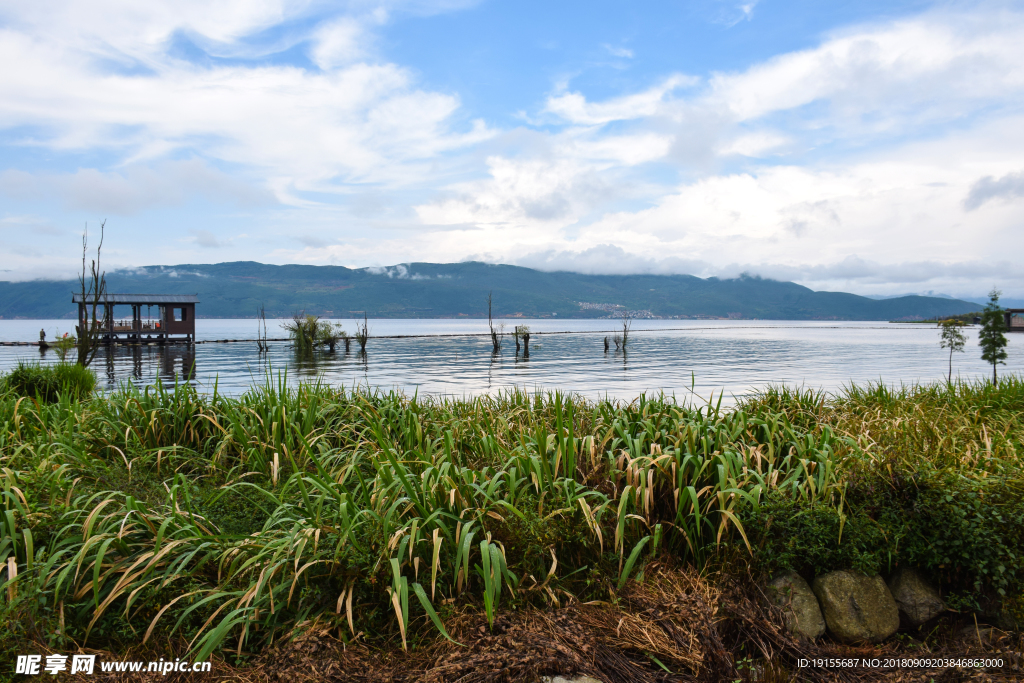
[697, 629]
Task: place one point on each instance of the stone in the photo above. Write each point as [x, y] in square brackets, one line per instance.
[857, 608]
[918, 601]
[799, 605]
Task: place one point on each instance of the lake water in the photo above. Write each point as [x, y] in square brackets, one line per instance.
[736, 357]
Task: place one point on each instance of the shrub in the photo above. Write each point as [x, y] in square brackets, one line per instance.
[309, 333]
[966, 535]
[49, 382]
[814, 538]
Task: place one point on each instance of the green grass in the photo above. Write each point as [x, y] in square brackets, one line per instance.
[48, 382]
[226, 524]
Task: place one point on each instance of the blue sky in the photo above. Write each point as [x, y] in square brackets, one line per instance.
[873, 147]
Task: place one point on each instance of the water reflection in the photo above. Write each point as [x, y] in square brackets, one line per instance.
[177, 361]
[314, 363]
[320, 363]
[142, 365]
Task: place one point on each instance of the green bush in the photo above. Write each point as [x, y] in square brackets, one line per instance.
[813, 539]
[48, 382]
[965, 535]
[969, 536]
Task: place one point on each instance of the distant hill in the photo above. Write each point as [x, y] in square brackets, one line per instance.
[431, 290]
[980, 300]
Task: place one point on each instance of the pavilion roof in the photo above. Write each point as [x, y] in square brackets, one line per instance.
[141, 299]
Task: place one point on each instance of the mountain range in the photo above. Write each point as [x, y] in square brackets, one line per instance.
[432, 290]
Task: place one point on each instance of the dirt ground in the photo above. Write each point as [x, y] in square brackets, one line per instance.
[675, 626]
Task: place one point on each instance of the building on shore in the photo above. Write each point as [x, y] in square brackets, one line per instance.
[1014, 319]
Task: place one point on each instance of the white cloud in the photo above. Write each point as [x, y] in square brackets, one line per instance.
[754, 144]
[624, 150]
[574, 108]
[729, 13]
[939, 66]
[206, 239]
[900, 211]
[873, 81]
[124, 30]
[33, 224]
[399, 272]
[529, 196]
[355, 122]
[338, 42]
[618, 51]
[1010, 186]
[134, 188]
[361, 123]
[312, 241]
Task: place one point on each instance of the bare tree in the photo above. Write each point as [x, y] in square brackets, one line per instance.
[495, 334]
[92, 285]
[621, 338]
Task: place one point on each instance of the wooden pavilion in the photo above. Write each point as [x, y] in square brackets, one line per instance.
[175, 321]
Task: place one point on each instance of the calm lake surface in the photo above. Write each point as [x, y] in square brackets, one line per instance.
[736, 357]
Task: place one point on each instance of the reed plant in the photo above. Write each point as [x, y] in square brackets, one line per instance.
[303, 330]
[227, 524]
[262, 344]
[309, 334]
[48, 382]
